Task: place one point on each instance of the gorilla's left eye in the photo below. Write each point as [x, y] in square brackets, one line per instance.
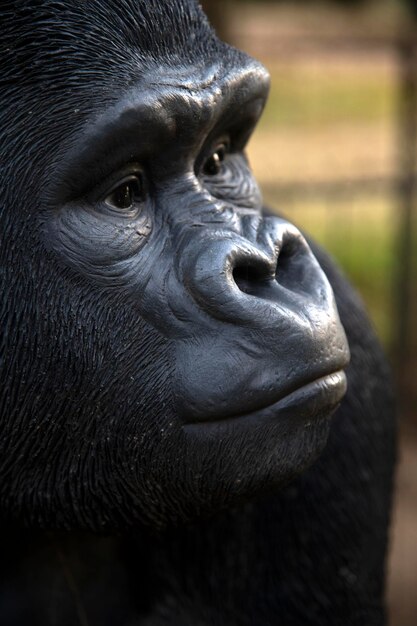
[127, 193]
[213, 164]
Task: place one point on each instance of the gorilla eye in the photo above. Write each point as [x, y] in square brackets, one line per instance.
[127, 193]
[213, 164]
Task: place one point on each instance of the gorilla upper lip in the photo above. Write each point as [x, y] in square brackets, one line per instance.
[319, 396]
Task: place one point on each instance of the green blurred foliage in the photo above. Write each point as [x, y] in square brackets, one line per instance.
[325, 100]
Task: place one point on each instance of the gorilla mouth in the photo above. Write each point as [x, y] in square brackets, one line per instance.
[316, 399]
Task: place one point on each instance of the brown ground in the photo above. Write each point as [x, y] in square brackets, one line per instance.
[402, 594]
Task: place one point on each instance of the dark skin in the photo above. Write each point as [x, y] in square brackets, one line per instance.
[179, 354]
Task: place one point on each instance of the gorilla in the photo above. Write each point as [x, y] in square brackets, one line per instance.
[172, 359]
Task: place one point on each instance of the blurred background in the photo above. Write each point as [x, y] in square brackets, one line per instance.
[336, 153]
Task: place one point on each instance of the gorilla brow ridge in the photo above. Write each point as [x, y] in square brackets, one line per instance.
[58, 48]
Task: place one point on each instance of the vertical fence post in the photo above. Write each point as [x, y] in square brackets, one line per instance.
[403, 278]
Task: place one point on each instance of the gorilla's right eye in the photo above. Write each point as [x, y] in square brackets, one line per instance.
[213, 164]
[127, 193]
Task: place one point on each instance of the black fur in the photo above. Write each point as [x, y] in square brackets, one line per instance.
[147, 355]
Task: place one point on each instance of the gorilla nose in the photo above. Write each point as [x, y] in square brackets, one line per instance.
[253, 276]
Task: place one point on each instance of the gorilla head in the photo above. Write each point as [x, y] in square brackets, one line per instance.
[166, 350]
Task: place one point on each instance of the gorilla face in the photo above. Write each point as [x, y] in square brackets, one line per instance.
[167, 350]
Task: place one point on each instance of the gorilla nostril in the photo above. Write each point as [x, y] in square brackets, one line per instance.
[257, 277]
[284, 262]
[290, 270]
[249, 277]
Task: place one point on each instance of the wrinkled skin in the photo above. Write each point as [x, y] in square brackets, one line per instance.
[169, 351]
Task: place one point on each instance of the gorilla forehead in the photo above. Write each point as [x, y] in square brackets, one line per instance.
[101, 34]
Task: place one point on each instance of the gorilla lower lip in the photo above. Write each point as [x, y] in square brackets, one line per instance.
[315, 399]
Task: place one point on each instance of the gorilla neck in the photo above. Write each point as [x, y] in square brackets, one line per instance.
[83, 579]
[59, 578]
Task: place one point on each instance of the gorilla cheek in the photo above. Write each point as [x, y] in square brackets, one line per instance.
[95, 244]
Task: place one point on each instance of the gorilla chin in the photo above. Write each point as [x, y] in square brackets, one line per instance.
[237, 457]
